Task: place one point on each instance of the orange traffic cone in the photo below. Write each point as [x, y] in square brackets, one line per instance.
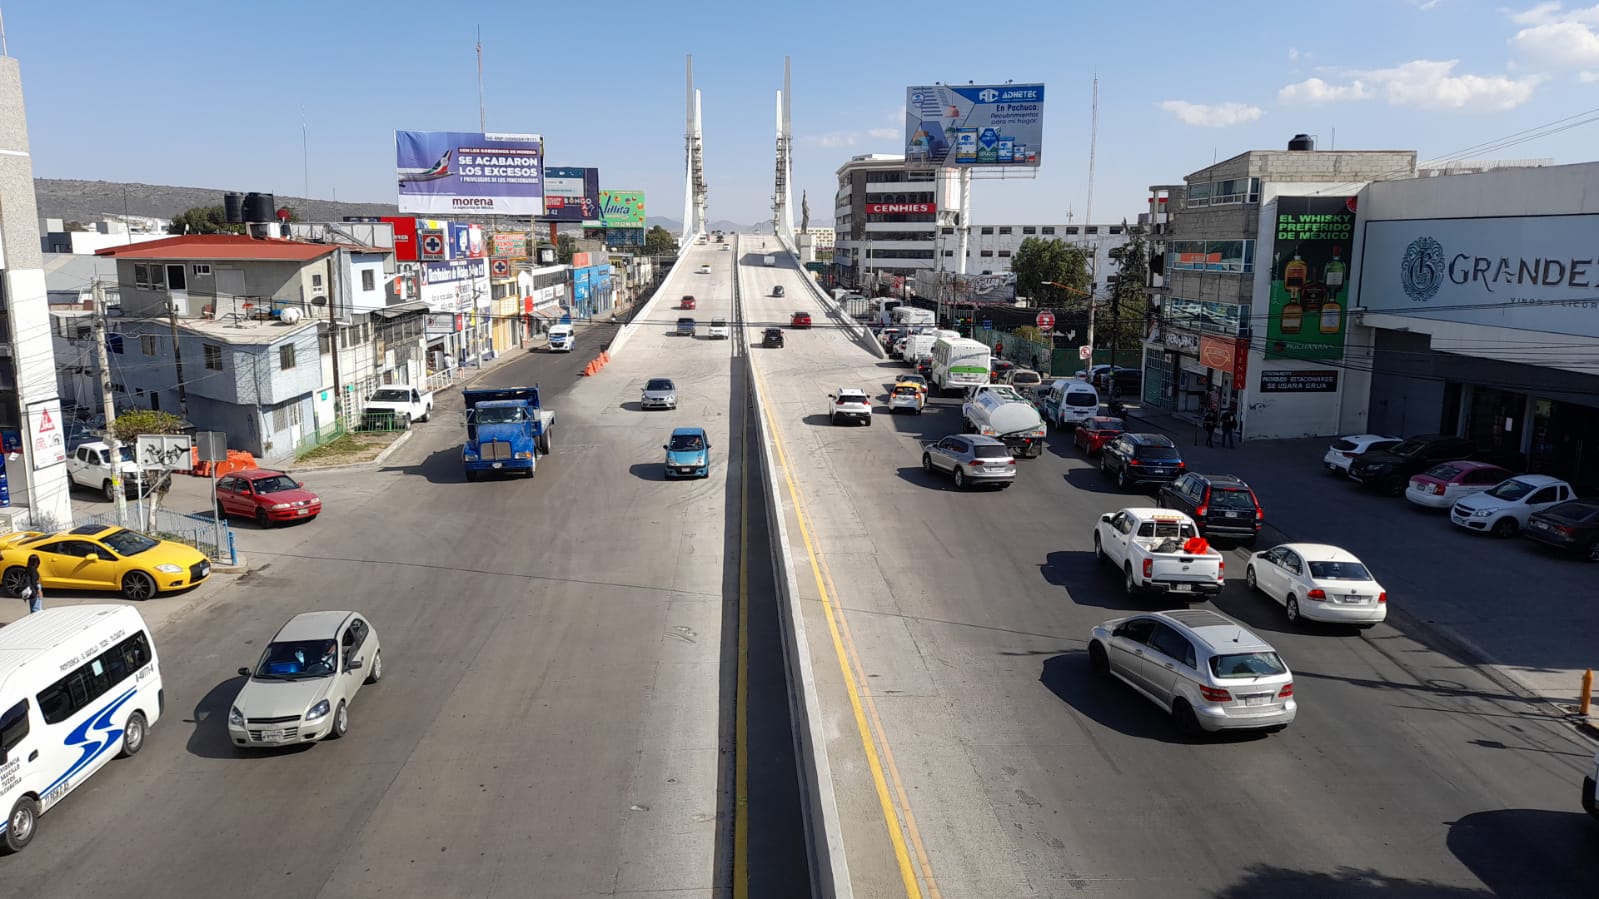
[588, 370]
[605, 357]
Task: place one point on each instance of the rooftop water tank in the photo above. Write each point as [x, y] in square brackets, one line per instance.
[1302, 142]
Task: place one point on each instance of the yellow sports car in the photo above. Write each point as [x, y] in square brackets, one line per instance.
[101, 557]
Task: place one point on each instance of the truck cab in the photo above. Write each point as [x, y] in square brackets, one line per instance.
[506, 430]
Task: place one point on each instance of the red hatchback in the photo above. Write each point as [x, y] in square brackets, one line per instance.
[266, 496]
[1093, 433]
[800, 320]
[687, 303]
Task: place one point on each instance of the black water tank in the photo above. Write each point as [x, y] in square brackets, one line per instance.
[260, 208]
[1302, 142]
[233, 206]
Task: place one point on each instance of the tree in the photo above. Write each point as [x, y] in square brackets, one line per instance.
[203, 220]
[131, 424]
[1040, 265]
[1129, 303]
[659, 242]
[565, 246]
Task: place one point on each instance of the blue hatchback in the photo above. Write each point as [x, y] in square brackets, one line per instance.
[688, 454]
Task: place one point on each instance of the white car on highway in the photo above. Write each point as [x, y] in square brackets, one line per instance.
[1318, 582]
[301, 689]
[850, 403]
[703, 270]
[1503, 511]
[658, 393]
[1345, 449]
[718, 329]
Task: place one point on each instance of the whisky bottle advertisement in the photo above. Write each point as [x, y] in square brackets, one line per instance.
[1310, 278]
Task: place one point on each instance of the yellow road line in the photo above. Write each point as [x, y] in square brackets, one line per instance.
[741, 755]
[891, 818]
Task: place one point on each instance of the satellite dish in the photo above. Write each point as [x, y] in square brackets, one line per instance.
[290, 315]
[319, 301]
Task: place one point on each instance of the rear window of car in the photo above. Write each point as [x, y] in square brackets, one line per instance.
[718, 322]
[1339, 571]
[1081, 398]
[990, 451]
[907, 390]
[1158, 452]
[1247, 664]
[1443, 472]
[1232, 498]
[1344, 445]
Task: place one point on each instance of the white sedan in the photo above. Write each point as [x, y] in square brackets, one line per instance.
[1504, 510]
[703, 270]
[1318, 582]
[1345, 449]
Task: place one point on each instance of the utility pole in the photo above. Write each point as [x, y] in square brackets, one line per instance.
[177, 359]
[333, 333]
[108, 402]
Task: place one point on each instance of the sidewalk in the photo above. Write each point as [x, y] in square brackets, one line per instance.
[1462, 593]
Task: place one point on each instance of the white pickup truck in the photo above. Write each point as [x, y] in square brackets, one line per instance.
[1001, 412]
[89, 467]
[401, 402]
[1147, 545]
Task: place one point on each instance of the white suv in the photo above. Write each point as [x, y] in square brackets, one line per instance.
[718, 329]
[848, 403]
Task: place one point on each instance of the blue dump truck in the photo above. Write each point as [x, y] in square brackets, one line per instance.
[506, 430]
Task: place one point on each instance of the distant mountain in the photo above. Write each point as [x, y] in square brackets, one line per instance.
[88, 201]
[676, 225]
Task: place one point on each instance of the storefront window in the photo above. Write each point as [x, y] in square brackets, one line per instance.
[1212, 255]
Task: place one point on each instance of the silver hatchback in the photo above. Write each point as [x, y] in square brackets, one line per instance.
[1207, 670]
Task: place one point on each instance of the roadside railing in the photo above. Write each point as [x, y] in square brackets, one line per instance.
[204, 534]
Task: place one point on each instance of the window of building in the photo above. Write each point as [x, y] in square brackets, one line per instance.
[324, 343]
[986, 253]
[949, 253]
[1212, 256]
[1115, 229]
[1004, 254]
[286, 357]
[202, 270]
[1029, 229]
[316, 282]
[988, 230]
[158, 276]
[113, 342]
[1005, 230]
[141, 274]
[1072, 230]
[1254, 191]
[369, 279]
[1091, 229]
[213, 356]
[946, 230]
[1198, 195]
[280, 419]
[1228, 192]
[148, 345]
[1048, 230]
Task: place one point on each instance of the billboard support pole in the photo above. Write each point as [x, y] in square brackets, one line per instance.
[964, 226]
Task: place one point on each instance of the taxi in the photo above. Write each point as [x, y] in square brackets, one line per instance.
[909, 396]
[102, 557]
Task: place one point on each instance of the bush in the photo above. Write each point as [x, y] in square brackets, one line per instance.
[130, 425]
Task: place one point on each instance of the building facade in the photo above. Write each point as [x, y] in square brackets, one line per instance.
[1229, 259]
[885, 220]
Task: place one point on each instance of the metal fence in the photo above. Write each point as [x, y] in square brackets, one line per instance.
[197, 531]
[325, 434]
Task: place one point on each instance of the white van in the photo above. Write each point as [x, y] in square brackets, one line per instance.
[563, 338]
[959, 363]
[1070, 401]
[75, 684]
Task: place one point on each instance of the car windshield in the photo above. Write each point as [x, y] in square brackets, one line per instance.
[1232, 498]
[1247, 664]
[128, 543]
[1407, 448]
[990, 451]
[391, 395]
[681, 443]
[1339, 571]
[499, 415]
[658, 384]
[275, 484]
[299, 660]
[1443, 472]
[125, 452]
[1511, 490]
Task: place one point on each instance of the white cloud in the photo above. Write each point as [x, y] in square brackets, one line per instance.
[1564, 45]
[1551, 13]
[1423, 83]
[1212, 115]
[1588, 77]
[884, 133]
[833, 139]
[1315, 90]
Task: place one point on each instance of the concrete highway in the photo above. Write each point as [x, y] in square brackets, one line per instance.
[1007, 770]
[556, 716]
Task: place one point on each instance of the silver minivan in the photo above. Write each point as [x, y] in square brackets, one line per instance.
[1207, 670]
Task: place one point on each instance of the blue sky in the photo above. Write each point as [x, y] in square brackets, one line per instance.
[211, 94]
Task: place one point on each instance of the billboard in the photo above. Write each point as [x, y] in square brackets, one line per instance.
[622, 208]
[454, 172]
[508, 243]
[571, 194]
[1308, 307]
[1531, 273]
[901, 208]
[974, 124]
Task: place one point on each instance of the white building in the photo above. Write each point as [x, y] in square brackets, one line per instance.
[990, 248]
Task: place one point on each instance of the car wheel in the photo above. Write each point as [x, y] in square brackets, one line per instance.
[110, 491]
[376, 674]
[1129, 584]
[405, 421]
[868, 421]
[927, 463]
[262, 519]
[341, 721]
[15, 578]
[1187, 721]
[137, 585]
[427, 414]
[1249, 579]
[1393, 485]
[222, 511]
[132, 736]
[960, 478]
[1506, 527]
[1121, 479]
[1099, 551]
[1291, 609]
[1098, 662]
[20, 823]
[832, 418]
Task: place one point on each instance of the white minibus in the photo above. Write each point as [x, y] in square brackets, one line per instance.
[959, 363]
[78, 685]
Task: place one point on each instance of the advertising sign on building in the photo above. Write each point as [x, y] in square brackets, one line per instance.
[438, 323]
[46, 434]
[1225, 354]
[1309, 303]
[454, 286]
[901, 208]
[508, 243]
[622, 208]
[1533, 273]
[1299, 382]
[571, 194]
[983, 124]
[454, 172]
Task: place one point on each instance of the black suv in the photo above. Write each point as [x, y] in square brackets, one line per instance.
[1390, 470]
[1141, 459]
[1221, 504]
[772, 337]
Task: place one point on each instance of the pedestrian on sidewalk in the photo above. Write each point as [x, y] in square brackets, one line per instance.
[32, 588]
[1229, 423]
[1208, 425]
[999, 349]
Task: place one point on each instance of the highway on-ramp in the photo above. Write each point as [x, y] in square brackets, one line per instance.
[994, 764]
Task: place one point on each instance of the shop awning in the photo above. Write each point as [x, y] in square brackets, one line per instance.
[400, 309]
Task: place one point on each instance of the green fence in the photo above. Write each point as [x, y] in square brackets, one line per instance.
[325, 434]
[1060, 362]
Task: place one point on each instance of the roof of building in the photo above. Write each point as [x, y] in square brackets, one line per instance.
[223, 246]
